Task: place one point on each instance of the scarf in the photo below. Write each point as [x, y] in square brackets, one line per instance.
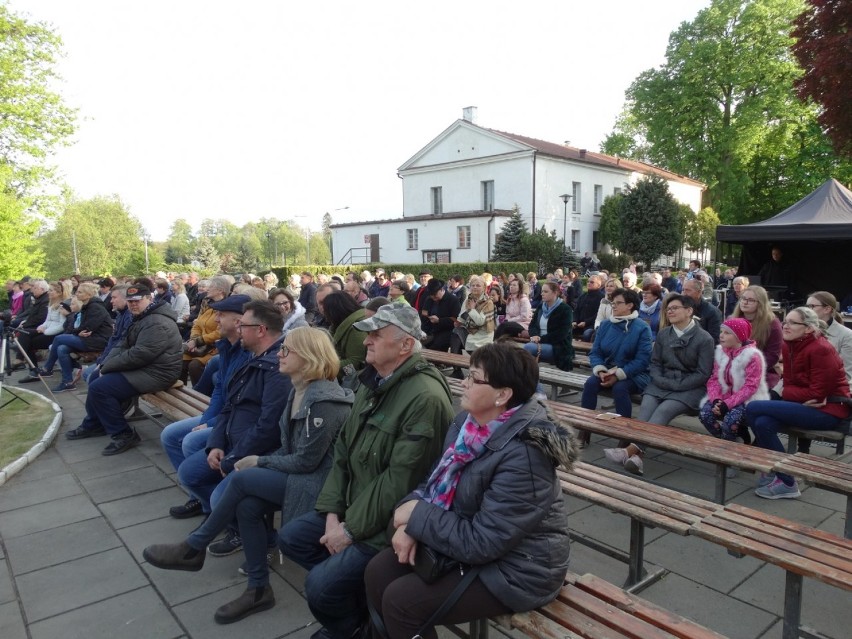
[625, 318]
[470, 444]
[545, 311]
[650, 309]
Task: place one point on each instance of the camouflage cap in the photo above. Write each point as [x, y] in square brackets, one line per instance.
[400, 315]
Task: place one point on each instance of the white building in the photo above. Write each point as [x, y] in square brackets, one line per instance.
[460, 188]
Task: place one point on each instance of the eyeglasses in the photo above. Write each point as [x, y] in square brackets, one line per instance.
[787, 322]
[748, 300]
[619, 303]
[242, 326]
[282, 304]
[286, 350]
[813, 306]
[669, 309]
[470, 378]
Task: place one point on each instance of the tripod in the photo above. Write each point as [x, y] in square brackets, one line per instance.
[8, 334]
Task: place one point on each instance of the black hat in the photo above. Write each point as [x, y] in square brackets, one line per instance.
[231, 304]
[425, 271]
[135, 293]
[434, 285]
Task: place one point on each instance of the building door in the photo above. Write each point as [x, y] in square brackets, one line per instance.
[374, 248]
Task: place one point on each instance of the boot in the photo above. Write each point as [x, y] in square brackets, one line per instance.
[180, 556]
[251, 601]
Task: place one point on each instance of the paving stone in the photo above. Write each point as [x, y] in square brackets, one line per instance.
[139, 614]
[58, 545]
[25, 521]
[159, 531]
[11, 621]
[106, 466]
[80, 449]
[38, 491]
[289, 571]
[824, 607]
[177, 586]
[49, 464]
[793, 509]
[775, 631]
[145, 507]
[7, 586]
[290, 614]
[824, 498]
[726, 615]
[834, 524]
[77, 583]
[125, 484]
[607, 527]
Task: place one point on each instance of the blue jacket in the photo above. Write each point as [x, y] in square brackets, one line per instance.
[255, 397]
[232, 357]
[626, 345]
[119, 329]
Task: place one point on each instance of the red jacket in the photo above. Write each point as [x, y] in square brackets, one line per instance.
[814, 370]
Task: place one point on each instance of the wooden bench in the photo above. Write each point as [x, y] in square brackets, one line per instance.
[178, 402]
[837, 436]
[589, 607]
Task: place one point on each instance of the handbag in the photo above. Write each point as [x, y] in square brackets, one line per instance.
[430, 565]
[200, 351]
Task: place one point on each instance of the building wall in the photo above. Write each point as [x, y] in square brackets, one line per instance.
[432, 235]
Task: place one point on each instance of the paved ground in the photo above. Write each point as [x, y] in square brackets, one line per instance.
[74, 523]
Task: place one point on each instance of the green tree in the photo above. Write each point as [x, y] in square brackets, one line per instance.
[179, 245]
[20, 250]
[650, 220]
[247, 255]
[610, 222]
[700, 233]
[723, 110]
[509, 244]
[205, 253]
[34, 119]
[108, 239]
[326, 232]
[543, 247]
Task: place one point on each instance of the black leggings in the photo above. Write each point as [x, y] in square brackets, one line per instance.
[34, 342]
[406, 602]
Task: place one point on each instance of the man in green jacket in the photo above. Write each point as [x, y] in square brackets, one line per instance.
[392, 438]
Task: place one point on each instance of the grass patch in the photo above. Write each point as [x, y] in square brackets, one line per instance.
[21, 426]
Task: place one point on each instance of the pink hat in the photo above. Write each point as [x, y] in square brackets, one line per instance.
[739, 327]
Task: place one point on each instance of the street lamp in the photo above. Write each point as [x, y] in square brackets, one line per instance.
[565, 197]
[308, 233]
[269, 247]
[146, 253]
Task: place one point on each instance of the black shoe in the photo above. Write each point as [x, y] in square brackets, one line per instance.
[228, 545]
[121, 443]
[84, 433]
[251, 601]
[180, 556]
[192, 508]
[29, 379]
[18, 365]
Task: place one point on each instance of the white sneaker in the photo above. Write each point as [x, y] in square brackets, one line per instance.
[779, 490]
[616, 455]
[633, 464]
[765, 479]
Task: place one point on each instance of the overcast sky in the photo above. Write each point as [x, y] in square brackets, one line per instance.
[279, 109]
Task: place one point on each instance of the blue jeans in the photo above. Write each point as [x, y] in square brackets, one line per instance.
[103, 403]
[208, 377]
[546, 351]
[621, 392]
[334, 586]
[198, 478]
[90, 373]
[61, 349]
[180, 441]
[249, 496]
[766, 417]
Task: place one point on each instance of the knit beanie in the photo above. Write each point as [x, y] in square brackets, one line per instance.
[739, 327]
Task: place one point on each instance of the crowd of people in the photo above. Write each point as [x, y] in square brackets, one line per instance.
[323, 407]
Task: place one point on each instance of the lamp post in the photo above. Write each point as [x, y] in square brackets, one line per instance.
[565, 197]
[269, 247]
[146, 253]
[308, 233]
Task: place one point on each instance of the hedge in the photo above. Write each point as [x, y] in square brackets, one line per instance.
[441, 271]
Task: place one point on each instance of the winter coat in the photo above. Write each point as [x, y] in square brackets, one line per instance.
[479, 322]
[308, 300]
[446, 309]
[625, 345]
[94, 317]
[710, 319]
[519, 310]
[680, 366]
[307, 435]
[392, 438]
[841, 338]
[296, 319]
[652, 317]
[122, 322]
[588, 306]
[54, 324]
[180, 305]
[232, 357]
[205, 330]
[814, 370]
[149, 355]
[604, 311]
[255, 397]
[349, 342]
[739, 376]
[508, 514]
[559, 331]
[772, 352]
[33, 313]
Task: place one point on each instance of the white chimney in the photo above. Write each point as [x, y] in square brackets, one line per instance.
[469, 114]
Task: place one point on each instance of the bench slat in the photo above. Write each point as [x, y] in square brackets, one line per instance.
[166, 407]
[536, 625]
[580, 612]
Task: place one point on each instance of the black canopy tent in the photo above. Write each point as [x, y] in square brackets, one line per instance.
[815, 235]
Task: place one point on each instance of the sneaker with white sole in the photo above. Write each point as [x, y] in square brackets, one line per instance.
[228, 545]
[779, 490]
[616, 455]
[765, 479]
[633, 464]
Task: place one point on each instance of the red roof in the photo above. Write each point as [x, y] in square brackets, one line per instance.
[582, 155]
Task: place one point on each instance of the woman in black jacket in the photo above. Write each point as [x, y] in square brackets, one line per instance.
[90, 332]
[550, 329]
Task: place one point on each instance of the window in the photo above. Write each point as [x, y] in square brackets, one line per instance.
[437, 201]
[598, 198]
[575, 239]
[412, 239]
[436, 257]
[616, 190]
[575, 200]
[596, 241]
[488, 195]
[464, 237]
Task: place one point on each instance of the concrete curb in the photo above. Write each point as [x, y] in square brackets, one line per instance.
[40, 446]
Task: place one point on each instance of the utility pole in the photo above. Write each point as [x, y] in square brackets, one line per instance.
[74, 246]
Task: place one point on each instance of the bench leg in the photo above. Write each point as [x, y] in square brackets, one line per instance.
[792, 444]
[792, 606]
[721, 483]
[479, 629]
[847, 527]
